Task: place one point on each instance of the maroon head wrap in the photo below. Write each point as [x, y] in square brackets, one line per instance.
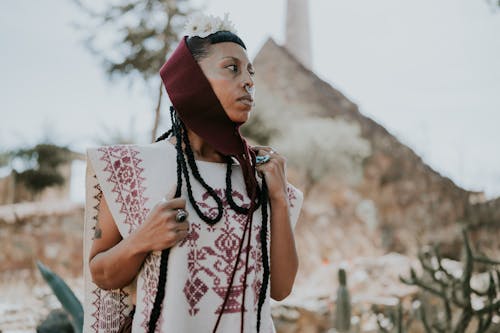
[201, 111]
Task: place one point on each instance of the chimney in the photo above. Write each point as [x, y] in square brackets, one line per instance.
[298, 34]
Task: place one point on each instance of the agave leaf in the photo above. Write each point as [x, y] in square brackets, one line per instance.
[65, 295]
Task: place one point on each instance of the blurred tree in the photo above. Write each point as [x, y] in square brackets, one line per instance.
[494, 4]
[141, 34]
[113, 136]
[39, 166]
[4, 158]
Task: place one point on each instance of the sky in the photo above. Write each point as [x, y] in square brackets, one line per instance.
[428, 71]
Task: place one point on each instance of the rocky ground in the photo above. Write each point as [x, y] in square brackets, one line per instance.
[25, 300]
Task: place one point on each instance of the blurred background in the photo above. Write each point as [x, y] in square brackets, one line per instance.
[387, 110]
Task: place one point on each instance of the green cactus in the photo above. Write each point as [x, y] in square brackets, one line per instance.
[456, 293]
[398, 323]
[65, 295]
[57, 321]
[343, 307]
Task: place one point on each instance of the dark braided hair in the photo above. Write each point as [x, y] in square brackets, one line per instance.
[162, 279]
[179, 131]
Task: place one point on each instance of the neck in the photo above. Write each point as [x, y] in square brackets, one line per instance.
[201, 149]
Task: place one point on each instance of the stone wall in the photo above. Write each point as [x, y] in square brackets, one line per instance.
[48, 231]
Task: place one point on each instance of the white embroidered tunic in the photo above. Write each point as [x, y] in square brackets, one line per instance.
[133, 178]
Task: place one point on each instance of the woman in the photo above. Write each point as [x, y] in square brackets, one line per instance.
[208, 255]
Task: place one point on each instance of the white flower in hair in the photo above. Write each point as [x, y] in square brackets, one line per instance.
[203, 25]
[227, 25]
[194, 25]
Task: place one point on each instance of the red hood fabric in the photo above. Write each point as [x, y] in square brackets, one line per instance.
[201, 111]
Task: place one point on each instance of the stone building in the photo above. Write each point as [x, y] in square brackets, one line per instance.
[366, 192]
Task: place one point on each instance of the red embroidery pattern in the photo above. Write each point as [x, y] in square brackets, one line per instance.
[97, 304]
[122, 164]
[110, 309]
[291, 196]
[98, 198]
[217, 276]
[151, 275]
[256, 255]
[96, 292]
[124, 172]
[195, 288]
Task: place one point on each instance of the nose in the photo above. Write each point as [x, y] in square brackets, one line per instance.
[248, 81]
[250, 89]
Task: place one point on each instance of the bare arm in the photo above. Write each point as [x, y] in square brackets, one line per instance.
[114, 262]
[283, 257]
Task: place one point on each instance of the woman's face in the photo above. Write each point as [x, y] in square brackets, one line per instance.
[228, 70]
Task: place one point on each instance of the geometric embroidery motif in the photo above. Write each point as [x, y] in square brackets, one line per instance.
[291, 196]
[221, 253]
[151, 273]
[122, 165]
[194, 290]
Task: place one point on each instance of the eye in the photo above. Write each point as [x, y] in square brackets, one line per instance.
[252, 73]
[233, 68]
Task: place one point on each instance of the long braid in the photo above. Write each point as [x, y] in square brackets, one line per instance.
[179, 131]
[160, 294]
[164, 135]
[265, 258]
[162, 279]
[229, 191]
[197, 176]
[176, 128]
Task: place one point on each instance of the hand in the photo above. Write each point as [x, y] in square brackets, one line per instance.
[160, 230]
[274, 172]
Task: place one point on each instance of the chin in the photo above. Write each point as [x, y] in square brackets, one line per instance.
[240, 116]
[240, 120]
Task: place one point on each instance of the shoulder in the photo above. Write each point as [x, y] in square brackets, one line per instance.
[131, 149]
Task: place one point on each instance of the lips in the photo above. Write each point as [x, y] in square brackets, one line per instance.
[246, 99]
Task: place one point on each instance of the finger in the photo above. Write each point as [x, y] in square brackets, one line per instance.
[265, 149]
[172, 235]
[182, 225]
[177, 234]
[174, 204]
[171, 193]
[182, 234]
[256, 148]
[261, 152]
[260, 169]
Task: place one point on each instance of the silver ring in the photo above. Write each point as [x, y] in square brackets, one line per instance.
[262, 159]
[181, 215]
